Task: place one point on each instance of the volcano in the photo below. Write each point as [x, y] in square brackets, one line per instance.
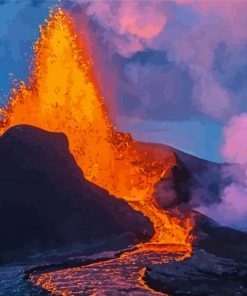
[70, 177]
[47, 204]
[62, 96]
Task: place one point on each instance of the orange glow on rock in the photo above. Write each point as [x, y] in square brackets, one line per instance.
[62, 96]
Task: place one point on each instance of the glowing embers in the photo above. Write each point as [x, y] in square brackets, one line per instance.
[62, 95]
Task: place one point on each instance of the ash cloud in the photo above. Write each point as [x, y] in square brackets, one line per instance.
[191, 33]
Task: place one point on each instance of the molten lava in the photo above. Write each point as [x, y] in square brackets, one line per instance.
[62, 96]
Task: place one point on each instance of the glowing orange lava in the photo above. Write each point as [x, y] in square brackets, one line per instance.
[62, 96]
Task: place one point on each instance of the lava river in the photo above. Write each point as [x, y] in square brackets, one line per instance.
[120, 276]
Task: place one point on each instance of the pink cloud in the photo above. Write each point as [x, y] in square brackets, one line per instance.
[132, 26]
[231, 14]
[133, 23]
[232, 211]
[235, 140]
[140, 19]
[210, 96]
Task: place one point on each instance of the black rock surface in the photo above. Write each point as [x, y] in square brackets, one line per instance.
[45, 201]
[218, 240]
[201, 275]
[195, 182]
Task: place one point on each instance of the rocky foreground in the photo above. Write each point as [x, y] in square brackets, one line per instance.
[203, 274]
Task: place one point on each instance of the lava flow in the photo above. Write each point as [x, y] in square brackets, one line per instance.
[62, 96]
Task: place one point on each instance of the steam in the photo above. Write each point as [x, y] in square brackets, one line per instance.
[232, 211]
[235, 147]
[132, 25]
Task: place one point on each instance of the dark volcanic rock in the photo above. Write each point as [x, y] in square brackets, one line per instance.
[46, 202]
[195, 182]
[203, 274]
[220, 241]
[176, 189]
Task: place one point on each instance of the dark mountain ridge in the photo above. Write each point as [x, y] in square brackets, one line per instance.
[45, 201]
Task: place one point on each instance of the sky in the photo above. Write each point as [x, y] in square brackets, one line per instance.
[175, 71]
